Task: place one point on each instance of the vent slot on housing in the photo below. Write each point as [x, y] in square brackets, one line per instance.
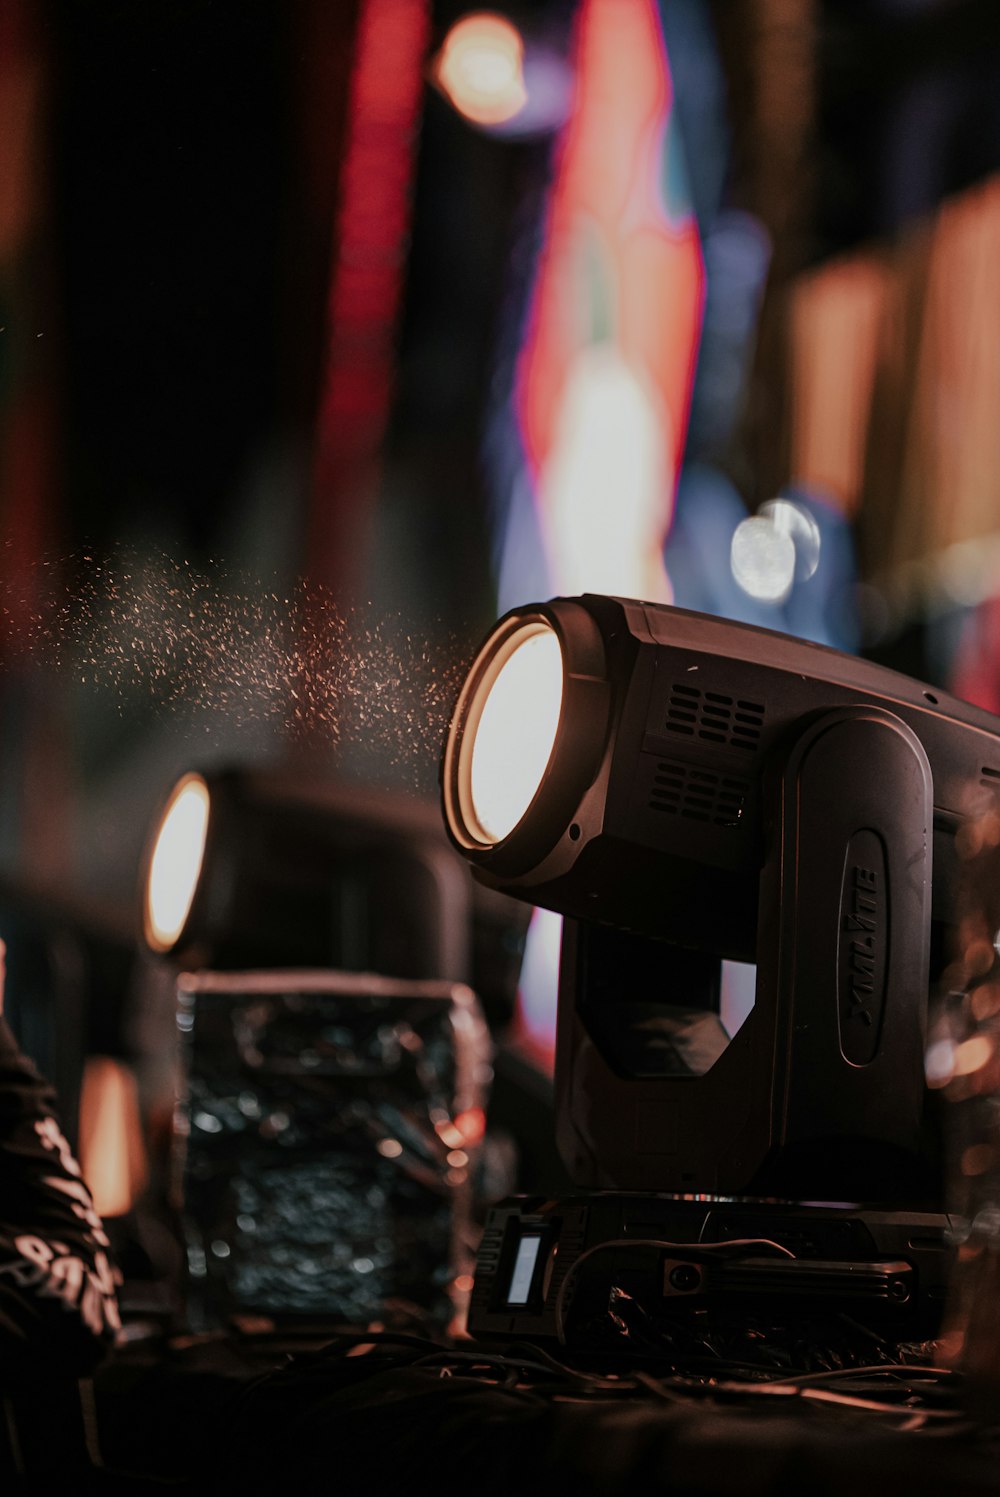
[698, 794]
[714, 717]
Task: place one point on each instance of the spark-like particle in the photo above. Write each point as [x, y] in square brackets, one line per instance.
[204, 643]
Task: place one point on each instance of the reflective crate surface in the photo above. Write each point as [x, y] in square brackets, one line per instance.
[326, 1130]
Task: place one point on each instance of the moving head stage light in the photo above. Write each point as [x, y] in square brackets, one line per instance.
[262, 868]
[695, 794]
[332, 1096]
[257, 868]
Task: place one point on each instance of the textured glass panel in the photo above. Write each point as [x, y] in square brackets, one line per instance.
[326, 1134]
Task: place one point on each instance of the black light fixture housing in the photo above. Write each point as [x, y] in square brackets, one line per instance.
[258, 868]
[708, 792]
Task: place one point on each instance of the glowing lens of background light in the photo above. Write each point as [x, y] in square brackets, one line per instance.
[763, 559]
[175, 865]
[481, 69]
[513, 738]
[794, 521]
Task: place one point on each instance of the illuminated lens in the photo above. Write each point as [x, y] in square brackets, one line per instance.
[513, 738]
[175, 866]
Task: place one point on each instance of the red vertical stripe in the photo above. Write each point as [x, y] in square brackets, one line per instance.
[373, 222]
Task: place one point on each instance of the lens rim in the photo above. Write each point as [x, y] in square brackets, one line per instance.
[581, 735]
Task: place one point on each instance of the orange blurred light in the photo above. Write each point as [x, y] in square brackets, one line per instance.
[471, 1124]
[481, 68]
[973, 1054]
[112, 1155]
[449, 1135]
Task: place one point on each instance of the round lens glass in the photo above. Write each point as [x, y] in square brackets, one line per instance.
[175, 866]
[516, 730]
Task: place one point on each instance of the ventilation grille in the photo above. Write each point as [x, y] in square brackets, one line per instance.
[714, 717]
[571, 1243]
[487, 1265]
[698, 794]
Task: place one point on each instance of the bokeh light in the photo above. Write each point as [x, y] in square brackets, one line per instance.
[798, 524]
[773, 550]
[763, 559]
[481, 68]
